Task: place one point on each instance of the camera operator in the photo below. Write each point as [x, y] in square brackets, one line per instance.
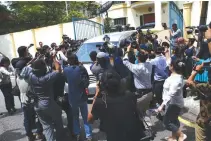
[117, 110]
[175, 33]
[61, 54]
[160, 74]
[142, 74]
[203, 90]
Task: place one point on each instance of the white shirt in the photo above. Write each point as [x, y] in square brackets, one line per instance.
[142, 73]
[5, 75]
[173, 90]
[61, 57]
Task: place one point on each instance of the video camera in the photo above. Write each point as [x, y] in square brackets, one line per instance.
[196, 29]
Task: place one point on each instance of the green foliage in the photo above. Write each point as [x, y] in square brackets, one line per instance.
[107, 25]
[34, 14]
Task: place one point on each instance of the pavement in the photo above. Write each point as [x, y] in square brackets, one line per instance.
[12, 129]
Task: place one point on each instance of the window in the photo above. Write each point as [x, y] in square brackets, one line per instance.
[121, 21]
[141, 20]
[149, 18]
[118, 2]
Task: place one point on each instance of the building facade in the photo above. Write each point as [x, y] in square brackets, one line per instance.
[137, 13]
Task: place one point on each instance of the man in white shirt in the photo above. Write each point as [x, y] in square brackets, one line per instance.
[61, 55]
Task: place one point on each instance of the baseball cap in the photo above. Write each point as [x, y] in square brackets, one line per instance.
[102, 55]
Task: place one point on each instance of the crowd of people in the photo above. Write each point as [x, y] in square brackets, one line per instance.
[130, 81]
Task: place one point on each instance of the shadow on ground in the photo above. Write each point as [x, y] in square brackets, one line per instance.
[11, 135]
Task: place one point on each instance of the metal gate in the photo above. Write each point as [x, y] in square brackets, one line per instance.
[84, 28]
[175, 16]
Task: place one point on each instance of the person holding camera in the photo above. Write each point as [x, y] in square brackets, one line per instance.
[61, 54]
[26, 103]
[116, 109]
[175, 33]
[203, 90]
[173, 100]
[142, 73]
[41, 91]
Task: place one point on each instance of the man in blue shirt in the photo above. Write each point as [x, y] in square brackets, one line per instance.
[75, 96]
[175, 33]
[160, 74]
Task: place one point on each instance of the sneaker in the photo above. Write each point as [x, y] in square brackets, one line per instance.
[40, 137]
[89, 139]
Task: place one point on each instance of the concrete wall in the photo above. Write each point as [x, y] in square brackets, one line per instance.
[9, 43]
[195, 13]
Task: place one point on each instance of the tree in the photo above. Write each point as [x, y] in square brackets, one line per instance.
[34, 14]
[107, 25]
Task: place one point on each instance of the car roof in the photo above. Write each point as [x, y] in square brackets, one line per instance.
[114, 37]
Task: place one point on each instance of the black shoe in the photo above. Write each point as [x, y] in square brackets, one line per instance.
[10, 112]
[14, 110]
[76, 137]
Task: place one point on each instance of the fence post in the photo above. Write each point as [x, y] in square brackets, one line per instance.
[61, 31]
[34, 40]
[73, 19]
[13, 45]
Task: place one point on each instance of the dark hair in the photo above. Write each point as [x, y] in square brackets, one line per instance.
[39, 68]
[72, 59]
[174, 24]
[93, 56]
[4, 60]
[22, 51]
[210, 25]
[178, 65]
[178, 52]
[191, 40]
[142, 56]
[165, 44]
[110, 82]
[159, 50]
[62, 46]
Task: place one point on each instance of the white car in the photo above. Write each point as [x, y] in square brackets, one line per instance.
[89, 46]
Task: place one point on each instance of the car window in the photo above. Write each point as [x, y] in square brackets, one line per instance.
[86, 49]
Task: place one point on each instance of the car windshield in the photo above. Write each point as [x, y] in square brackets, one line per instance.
[86, 49]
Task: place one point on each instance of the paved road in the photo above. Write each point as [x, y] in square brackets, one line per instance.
[11, 127]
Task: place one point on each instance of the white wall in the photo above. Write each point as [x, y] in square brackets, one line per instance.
[195, 13]
[24, 38]
[6, 46]
[209, 13]
[68, 30]
[48, 35]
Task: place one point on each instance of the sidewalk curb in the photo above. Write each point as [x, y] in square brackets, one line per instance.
[186, 122]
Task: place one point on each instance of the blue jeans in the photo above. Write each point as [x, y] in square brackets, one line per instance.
[170, 119]
[84, 113]
[29, 120]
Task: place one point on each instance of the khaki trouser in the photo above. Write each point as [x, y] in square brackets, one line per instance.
[200, 134]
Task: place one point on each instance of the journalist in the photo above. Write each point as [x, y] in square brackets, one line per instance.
[77, 96]
[142, 73]
[26, 103]
[61, 55]
[203, 90]
[41, 90]
[116, 110]
[175, 33]
[160, 74]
